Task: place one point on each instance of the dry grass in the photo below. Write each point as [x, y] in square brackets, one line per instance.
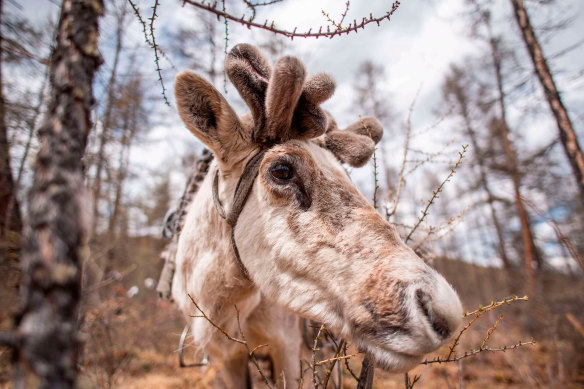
[132, 343]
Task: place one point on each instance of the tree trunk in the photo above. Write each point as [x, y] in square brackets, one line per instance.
[529, 248]
[45, 338]
[460, 95]
[10, 218]
[128, 132]
[106, 123]
[490, 198]
[567, 134]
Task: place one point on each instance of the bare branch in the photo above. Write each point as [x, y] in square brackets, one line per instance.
[437, 192]
[494, 305]
[314, 350]
[401, 179]
[248, 22]
[156, 49]
[490, 332]
[337, 358]
[215, 325]
[476, 351]
[346, 360]
[252, 356]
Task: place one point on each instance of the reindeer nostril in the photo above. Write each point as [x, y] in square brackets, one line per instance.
[439, 324]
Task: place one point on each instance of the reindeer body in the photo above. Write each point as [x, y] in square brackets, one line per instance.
[309, 243]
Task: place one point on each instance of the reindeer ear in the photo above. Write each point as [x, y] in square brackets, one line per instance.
[249, 72]
[356, 144]
[208, 115]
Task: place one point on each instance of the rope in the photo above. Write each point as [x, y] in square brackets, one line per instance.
[242, 191]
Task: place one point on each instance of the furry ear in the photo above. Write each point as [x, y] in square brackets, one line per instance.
[310, 121]
[282, 98]
[250, 72]
[208, 115]
[356, 144]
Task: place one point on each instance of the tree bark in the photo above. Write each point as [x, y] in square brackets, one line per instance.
[529, 248]
[10, 218]
[565, 128]
[46, 341]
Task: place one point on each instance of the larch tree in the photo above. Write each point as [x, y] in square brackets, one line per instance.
[44, 339]
[567, 134]
[455, 90]
[10, 217]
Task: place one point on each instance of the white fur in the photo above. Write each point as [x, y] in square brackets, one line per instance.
[320, 282]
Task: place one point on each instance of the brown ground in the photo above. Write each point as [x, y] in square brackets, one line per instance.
[132, 342]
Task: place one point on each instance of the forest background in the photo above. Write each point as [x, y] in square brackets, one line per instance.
[444, 77]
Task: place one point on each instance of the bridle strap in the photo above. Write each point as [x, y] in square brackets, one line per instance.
[242, 190]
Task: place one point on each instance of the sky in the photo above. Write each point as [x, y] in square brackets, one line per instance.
[416, 48]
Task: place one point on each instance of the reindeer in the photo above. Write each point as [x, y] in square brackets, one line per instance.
[278, 230]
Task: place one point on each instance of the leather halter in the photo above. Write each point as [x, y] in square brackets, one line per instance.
[242, 190]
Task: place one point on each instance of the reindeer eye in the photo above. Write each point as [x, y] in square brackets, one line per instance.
[282, 171]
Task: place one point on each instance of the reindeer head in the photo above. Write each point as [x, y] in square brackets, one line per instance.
[306, 237]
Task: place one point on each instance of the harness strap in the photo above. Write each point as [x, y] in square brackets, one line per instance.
[242, 190]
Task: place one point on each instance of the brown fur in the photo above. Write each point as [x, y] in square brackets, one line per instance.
[281, 99]
[249, 72]
[209, 116]
[283, 106]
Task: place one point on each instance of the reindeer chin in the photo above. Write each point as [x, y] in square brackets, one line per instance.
[388, 359]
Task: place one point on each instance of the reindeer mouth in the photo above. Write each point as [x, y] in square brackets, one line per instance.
[387, 358]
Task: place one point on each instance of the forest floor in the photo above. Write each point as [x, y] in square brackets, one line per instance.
[133, 342]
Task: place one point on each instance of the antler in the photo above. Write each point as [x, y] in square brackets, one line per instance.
[355, 144]
[282, 104]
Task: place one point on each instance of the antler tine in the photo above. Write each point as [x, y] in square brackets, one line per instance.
[283, 94]
[310, 121]
[355, 144]
[249, 71]
[282, 104]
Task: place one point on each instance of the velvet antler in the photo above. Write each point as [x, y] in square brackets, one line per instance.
[283, 105]
[355, 144]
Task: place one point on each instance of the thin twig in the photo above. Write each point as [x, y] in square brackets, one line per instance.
[401, 179]
[562, 238]
[145, 33]
[441, 230]
[476, 351]
[226, 21]
[248, 22]
[478, 313]
[410, 383]
[252, 356]
[430, 157]
[346, 360]
[437, 192]
[338, 358]
[332, 360]
[490, 332]
[215, 325]
[497, 304]
[314, 349]
[155, 47]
